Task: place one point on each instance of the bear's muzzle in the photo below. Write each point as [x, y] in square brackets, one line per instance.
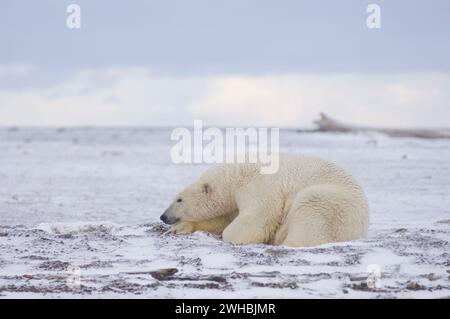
[168, 218]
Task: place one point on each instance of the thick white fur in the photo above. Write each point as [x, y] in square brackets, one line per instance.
[308, 202]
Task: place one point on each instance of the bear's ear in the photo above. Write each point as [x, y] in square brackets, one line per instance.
[206, 188]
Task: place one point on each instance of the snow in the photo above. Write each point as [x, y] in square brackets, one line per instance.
[80, 207]
[74, 228]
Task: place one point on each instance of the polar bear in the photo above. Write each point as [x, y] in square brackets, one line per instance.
[307, 202]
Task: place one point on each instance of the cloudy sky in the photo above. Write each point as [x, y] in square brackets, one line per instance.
[233, 62]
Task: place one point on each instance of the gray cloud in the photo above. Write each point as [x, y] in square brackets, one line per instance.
[233, 36]
[137, 96]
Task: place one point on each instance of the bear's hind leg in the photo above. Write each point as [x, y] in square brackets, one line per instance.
[326, 213]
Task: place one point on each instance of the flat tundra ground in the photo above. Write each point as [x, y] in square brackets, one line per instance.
[79, 218]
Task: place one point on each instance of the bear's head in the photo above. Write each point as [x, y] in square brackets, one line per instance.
[205, 199]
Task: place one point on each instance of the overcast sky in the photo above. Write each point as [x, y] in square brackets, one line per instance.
[246, 62]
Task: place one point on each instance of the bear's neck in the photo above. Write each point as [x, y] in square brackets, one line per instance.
[240, 176]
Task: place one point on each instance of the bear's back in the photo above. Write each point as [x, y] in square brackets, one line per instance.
[298, 171]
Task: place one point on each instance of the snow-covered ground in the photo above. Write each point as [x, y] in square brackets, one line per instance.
[79, 213]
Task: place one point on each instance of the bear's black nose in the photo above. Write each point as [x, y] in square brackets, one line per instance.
[163, 218]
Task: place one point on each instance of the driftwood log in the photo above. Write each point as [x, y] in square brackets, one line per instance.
[327, 124]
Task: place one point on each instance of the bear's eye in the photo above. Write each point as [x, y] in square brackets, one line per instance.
[179, 200]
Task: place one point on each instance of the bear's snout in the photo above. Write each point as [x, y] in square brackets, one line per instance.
[168, 219]
[163, 218]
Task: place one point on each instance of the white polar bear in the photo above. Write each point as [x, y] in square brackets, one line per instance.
[308, 202]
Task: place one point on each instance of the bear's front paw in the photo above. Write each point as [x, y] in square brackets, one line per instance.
[181, 228]
[234, 234]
